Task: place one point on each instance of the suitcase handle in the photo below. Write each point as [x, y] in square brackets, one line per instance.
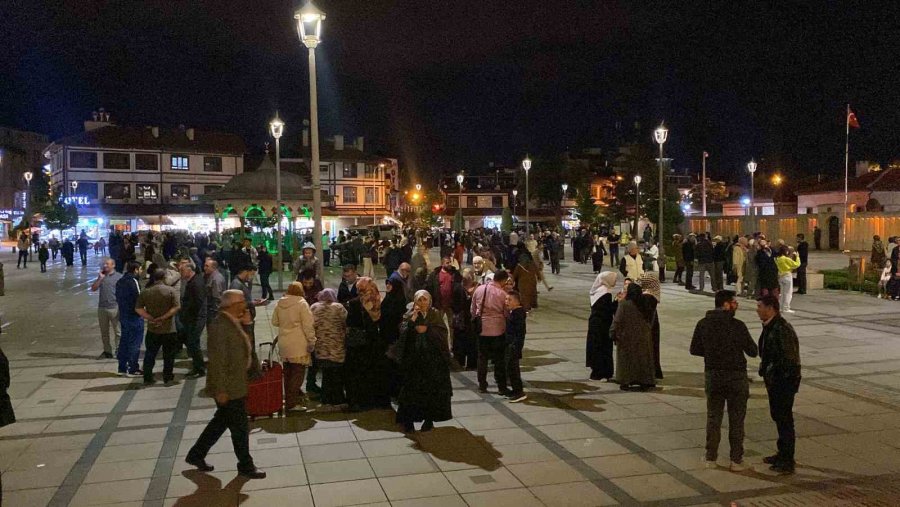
[271, 345]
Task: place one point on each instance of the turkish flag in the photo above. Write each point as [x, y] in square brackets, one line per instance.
[851, 119]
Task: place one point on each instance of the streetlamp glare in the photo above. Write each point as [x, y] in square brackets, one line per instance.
[751, 166]
[418, 186]
[565, 186]
[637, 179]
[309, 24]
[661, 134]
[460, 178]
[28, 175]
[276, 127]
[515, 193]
[526, 164]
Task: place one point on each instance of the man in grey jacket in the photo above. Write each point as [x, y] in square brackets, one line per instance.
[226, 381]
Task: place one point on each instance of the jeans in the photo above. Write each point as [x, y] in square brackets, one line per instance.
[689, 275]
[511, 359]
[801, 279]
[130, 343]
[614, 256]
[707, 267]
[723, 387]
[233, 417]
[492, 348]
[109, 318]
[190, 336]
[23, 258]
[267, 292]
[786, 285]
[781, 409]
[170, 346]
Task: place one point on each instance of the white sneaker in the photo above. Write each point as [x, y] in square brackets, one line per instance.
[710, 464]
[789, 311]
[737, 467]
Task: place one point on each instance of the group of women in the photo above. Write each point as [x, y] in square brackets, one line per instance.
[369, 351]
[628, 320]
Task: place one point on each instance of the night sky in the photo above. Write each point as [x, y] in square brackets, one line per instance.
[451, 85]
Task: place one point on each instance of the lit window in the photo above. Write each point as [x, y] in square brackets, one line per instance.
[146, 191]
[180, 163]
[349, 195]
[181, 191]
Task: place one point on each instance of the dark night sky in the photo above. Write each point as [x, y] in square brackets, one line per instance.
[449, 85]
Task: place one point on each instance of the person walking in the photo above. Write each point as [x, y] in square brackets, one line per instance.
[83, 243]
[264, 268]
[296, 342]
[158, 304]
[22, 245]
[599, 341]
[632, 264]
[688, 249]
[107, 308]
[424, 360]
[132, 326]
[489, 306]
[229, 363]
[193, 316]
[803, 257]
[779, 352]
[43, 256]
[722, 341]
[330, 323]
[68, 252]
[632, 332]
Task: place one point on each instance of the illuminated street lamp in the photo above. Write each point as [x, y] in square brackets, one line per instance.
[777, 180]
[418, 187]
[751, 166]
[28, 175]
[515, 193]
[309, 29]
[74, 187]
[526, 164]
[276, 127]
[637, 202]
[661, 134]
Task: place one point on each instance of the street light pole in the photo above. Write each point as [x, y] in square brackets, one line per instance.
[637, 204]
[277, 128]
[661, 134]
[309, 27]
[526, 164]
[375, 192]
[459, 179]
[705, 156]
[515, 193]
[751, 166]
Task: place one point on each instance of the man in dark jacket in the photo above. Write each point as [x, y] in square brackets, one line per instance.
[132, 326]
[689, 257]
[443, 286]
[803, 253]
[779, 351]
[192, 317]
[767, 271]
[706, 258]
[347, 289]
[722, 340]
[720, 247]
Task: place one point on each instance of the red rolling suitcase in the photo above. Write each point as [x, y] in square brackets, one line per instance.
[266, 394]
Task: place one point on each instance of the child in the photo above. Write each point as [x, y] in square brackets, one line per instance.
[515, 342]
[883, 281]
[43, 256]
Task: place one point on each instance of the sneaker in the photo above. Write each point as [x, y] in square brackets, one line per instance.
[136, 373]
[517, 398]
[196, 374]
[782, 468]
[122, 374]
[710, 463]
[253, 473]
[737, 467]
[789, 311]
[201, 464]
[106, 355]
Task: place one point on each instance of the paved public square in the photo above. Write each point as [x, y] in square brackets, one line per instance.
[88, 437]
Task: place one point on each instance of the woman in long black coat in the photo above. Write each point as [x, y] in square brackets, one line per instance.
[599, 341]
[424, 359]
[366, 368]
[393, 307]
[651, 296]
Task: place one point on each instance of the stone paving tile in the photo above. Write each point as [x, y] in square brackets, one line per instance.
[546, 472]
[622, 465]
[437, 501]
[338, 494]
[574, 494]
[416, 486]
[505, 498]
[654, 487]
[405, 464]
[338, 471]
[110, 492]
[470, 481]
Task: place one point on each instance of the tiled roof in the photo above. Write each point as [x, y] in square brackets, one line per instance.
[141, 138]
[878, 181]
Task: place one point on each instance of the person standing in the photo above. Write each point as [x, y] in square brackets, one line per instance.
[631, 329]
[82, 243]
[817, 237]
[722, 341]
[779, 351]
[739, 264]
[127, 291]
[193, 315]
[229, 363]
[525, 275]
[296, 341]
[705, 253]
[651, 297]
[441, 284]
[215, 286]
[766, 270]
[347, 289]
[688, 250]
[264, 268]
[751, 272]
[158, 304]
[632, 264]
[489, 305]
[613, 240]
[54, 247]
[107, 308]
[803, 256]
[678, 252]
[720, 248]
[23, 244]
[599, 342]
[786, 263]
[515, 343]
[330, 322]
[366, 367]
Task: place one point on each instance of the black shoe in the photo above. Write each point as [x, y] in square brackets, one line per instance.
[196, 374]
[200, 463]
[482, 390]
[427, 426]
[782, 468]
[253, 473]
[504, 392]
[409, 428]
[149, 381]
[771, 460]
[105, 355]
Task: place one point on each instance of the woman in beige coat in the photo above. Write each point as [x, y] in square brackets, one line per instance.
[296, 341]
[739, 263]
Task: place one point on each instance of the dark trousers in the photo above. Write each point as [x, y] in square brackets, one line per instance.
[170, 345]
[332, 383]
[679, 270]
[781, 409]
[233, 417]
[733, 389]
[266, 288]
[492, 348]
[43, 266]
[312, 372]
[83, 255]
[293, 384]
[704, 268]
[689, 275]
[614, 256]
[23, 258]
[717, 276]
[511, 359]
[465, 349]
[130, 343]
[326, 257]
[801, 279]
[190, 336]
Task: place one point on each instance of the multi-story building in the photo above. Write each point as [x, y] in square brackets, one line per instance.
[142, 177]
[363, 188]
[20, 152]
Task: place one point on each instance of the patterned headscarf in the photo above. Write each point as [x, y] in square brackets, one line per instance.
[369, 296]
[650, 285]
[327, 296]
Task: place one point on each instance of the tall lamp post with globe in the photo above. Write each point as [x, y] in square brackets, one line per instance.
[637, 203]
[661, 134]
[751, 167]
[309, 29]
[276, 127]
[526, 164]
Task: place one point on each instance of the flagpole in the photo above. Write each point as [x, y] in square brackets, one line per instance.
[846, 178]
[704, 184]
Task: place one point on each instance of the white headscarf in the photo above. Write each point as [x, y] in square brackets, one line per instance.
[603, 284]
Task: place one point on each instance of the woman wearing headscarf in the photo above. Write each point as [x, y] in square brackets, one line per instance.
[525, 277]
[425, 363]
[393, 306]
[878, 252]
[465, 343]
[330, 321]
[651, 296]
[599, 341]
[631, 330]
[296, 341]
[366, 367]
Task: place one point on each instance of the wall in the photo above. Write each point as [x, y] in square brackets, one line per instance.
[834, 200]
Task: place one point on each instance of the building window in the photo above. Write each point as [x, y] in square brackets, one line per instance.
[147, 191]
[809, 211]
[452, 201]
[116, 190]
[349, 195]
[116, 161]
[496, 201]
[472, 201]
[88, 189]
[370, 195]
[212, 164]
[208, 189]
[181, 191]
[349, 170]
[86, 159]
[180, 163]
[323, 168]
[146, 162]
[371, 171]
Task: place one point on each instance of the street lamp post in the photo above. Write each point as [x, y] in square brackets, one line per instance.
[309, 28]
[459, 179]
[28, 175]
[565, 187]
[751, 166]
[661, 134]
[74, 187]
[515, 193]
[637, 204]
[526, 164]
[276, 126]
[375, 193]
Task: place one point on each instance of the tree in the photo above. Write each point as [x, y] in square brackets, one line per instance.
[58, 215]
[716, 191]
[459, 222]
[586, 209]
[506, 221]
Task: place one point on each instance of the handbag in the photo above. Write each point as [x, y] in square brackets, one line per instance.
[476, 319]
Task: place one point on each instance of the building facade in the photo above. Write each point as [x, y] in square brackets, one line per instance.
[20, 152]
[143, 177]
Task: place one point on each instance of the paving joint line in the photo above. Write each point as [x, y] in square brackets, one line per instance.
[168, 453]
